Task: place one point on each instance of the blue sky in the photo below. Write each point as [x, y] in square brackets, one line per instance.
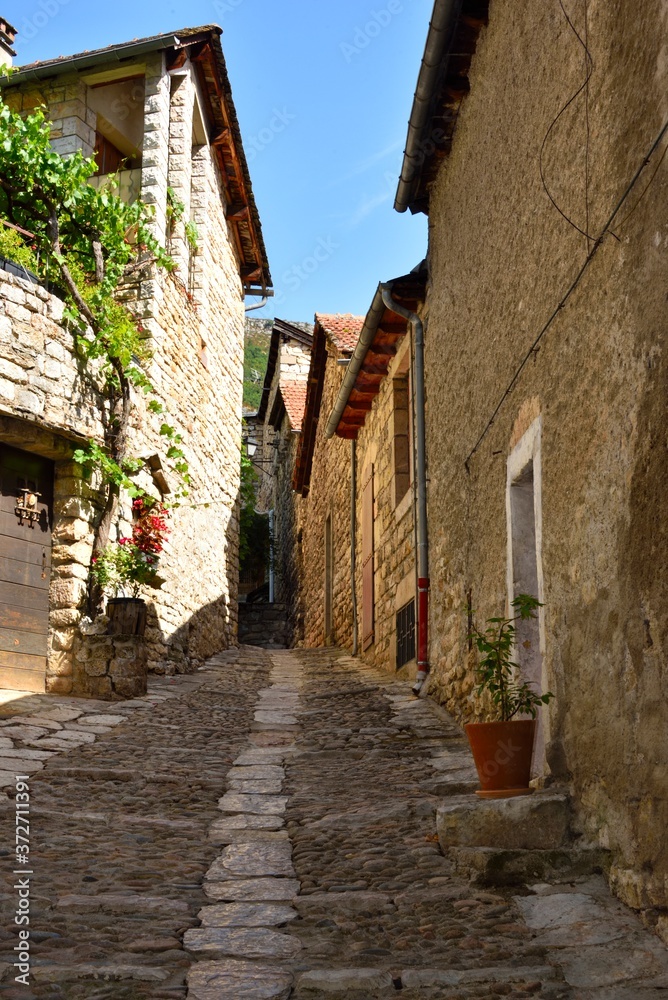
[323, 90]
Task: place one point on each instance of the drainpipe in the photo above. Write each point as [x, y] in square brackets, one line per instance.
[258, 305]
[353, 537]
[421, 476]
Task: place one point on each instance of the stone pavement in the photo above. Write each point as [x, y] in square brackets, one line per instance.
[266, 828]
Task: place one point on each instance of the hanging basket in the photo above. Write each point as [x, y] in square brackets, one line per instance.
[127, 616]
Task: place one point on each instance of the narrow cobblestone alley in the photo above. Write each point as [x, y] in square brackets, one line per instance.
[266, 828]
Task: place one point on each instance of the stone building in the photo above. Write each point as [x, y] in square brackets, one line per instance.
[373, 409]
[322, 476]
[536, 148]
[274, 431]
[160, 112]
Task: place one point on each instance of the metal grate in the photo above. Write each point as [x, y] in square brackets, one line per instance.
[405, 634]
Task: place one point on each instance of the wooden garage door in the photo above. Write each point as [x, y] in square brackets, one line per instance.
[25, 569]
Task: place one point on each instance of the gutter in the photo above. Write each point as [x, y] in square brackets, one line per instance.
[421, 484]
[443, 19]
[371, 323]
[97, 58]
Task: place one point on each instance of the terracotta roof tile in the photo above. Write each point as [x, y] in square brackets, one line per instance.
[343, 328]
[293, 392]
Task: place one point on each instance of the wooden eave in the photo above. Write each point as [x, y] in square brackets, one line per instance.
[241, 212]
[408, 292]
[281, 330]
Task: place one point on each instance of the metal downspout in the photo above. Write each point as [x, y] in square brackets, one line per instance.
[258, 305]
[421, 469]
[353, 539]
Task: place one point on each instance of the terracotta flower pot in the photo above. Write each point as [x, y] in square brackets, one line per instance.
[502, 752]
[127, 616]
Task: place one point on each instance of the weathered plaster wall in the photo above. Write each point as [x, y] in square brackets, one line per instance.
[329, 495]
[394, 534]
[501, 260]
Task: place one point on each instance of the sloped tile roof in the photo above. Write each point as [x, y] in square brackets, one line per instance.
[293, 392]
[343, 328]
[213, 77]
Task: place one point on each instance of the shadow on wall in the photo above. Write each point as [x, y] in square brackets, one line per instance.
[211, 628]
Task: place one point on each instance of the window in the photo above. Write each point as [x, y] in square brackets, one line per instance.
[406, 634]
[108, 158]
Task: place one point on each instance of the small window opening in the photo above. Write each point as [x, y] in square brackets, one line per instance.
[401, 445]
[406, 634]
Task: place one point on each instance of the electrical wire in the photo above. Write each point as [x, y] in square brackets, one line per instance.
[607, 228]
[583, 86]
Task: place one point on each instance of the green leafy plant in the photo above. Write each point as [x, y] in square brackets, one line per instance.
[93, 243]
[13, 247]
[253, 527]
[497, 671]
[132, 562]
[192, 235]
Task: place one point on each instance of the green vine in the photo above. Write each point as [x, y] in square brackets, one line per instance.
[175, 212]
[89, 244]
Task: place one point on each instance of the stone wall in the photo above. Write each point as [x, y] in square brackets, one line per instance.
[108, 667]
[383, 443]
[264, 625]
[501, 260]
[329, 496]
[287, 549]
[194, 322]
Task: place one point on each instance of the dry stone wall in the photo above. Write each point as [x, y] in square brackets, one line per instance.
[193, 322]
[501, 260]
[329, 496]
[394, 525]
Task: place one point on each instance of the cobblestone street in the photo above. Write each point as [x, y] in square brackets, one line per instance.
[266, 828]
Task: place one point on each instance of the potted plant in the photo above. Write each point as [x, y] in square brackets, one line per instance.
[502, 749]
[130, 564]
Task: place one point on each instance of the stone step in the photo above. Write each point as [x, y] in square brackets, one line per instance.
[526, 822]
[515, 840]
[490, 866]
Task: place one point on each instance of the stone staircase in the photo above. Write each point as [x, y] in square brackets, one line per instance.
[516, 840]
[264, 625]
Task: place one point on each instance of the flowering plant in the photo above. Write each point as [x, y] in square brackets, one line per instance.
[132, 562]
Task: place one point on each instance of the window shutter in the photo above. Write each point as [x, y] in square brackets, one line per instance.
[367, 563]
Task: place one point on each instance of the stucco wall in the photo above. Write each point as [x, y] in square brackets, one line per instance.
[329, 495]
[501, 260]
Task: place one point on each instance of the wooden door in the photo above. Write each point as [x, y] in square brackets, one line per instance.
[25, 568]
